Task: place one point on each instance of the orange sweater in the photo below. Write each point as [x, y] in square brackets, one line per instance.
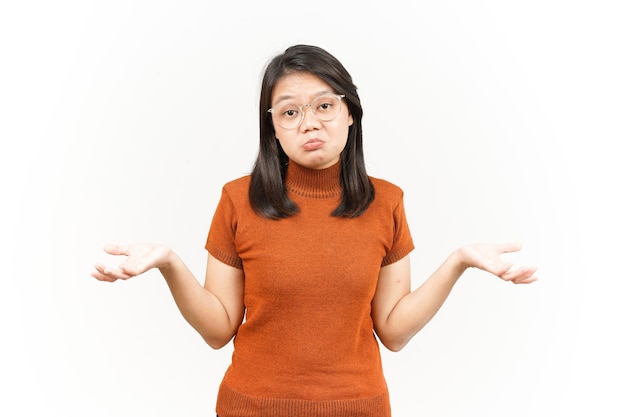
[307, 346]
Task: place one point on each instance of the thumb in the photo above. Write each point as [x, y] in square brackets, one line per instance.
[114, 249]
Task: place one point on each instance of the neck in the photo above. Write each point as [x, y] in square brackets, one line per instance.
[314, 183]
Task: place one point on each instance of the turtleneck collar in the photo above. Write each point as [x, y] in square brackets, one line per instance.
[314, 183]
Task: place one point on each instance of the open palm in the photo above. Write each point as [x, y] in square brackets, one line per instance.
[487, 257]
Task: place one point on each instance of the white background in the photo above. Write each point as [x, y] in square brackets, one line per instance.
[121, 120]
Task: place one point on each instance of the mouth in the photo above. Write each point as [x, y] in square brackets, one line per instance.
[313, 144]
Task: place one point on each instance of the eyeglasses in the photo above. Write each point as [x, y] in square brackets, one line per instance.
[325, 109]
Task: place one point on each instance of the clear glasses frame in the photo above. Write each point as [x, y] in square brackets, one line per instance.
[313, 112]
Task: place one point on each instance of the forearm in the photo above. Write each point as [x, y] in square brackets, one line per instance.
[200, 307]
[416, 309]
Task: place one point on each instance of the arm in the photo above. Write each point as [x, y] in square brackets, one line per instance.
[398, 313]
[215, 310]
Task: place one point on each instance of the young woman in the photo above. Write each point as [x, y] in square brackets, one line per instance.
[313, 253]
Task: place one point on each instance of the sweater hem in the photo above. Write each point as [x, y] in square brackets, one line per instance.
[231, 403]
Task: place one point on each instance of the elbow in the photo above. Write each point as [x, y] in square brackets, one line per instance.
[395, 348]
[217, 338]
[216, 346]
[394, 344]
[216, 343]
[395, 338]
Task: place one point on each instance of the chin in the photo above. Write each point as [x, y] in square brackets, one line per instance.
[317, 163]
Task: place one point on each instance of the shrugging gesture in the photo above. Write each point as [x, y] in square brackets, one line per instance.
[325, 249]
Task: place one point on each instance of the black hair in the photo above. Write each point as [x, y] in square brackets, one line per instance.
[268, 194]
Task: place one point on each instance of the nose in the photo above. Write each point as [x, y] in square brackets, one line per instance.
[309, 121]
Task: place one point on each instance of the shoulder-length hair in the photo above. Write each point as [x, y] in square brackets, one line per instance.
[268, 194]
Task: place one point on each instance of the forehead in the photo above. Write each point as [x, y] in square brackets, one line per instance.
[299, 85]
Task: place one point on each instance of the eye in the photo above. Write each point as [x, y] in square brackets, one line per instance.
[325, 106]
[290, 113]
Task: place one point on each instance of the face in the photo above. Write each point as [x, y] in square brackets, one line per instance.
[313, 144]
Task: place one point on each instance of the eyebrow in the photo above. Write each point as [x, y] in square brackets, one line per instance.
[284, 97]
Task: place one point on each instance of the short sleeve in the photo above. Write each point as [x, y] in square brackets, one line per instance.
[222, 233]
[402, 240]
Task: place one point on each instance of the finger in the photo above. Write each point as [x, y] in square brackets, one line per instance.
[524, 280]
[133, 268]
[520, 274]
[499, 269]
[504, 269]
[114, 249]
[101, 277]
[527, 280]
[509, 247]
[111, 273]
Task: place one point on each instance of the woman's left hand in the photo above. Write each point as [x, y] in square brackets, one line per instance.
[486, 256]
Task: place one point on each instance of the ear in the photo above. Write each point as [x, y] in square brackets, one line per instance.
[350, 119]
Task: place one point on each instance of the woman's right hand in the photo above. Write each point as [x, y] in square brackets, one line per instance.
[140, 257]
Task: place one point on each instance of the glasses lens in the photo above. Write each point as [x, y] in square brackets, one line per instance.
[326, 108]
[287, 115]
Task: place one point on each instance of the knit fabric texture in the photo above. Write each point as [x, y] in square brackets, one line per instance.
[307, 345]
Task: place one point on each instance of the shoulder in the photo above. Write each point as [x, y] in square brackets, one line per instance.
[386, 189]
[387, 195]
[237, 190]
[237, 186]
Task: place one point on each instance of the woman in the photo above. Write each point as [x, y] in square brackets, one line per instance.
[314, 253]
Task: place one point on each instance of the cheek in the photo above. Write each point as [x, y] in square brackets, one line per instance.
[341, 138]
[285, 143]
[282, 138]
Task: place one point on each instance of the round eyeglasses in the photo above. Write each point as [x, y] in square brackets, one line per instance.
[289, 115]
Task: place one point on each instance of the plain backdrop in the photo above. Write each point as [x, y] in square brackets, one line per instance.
[121, 120]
